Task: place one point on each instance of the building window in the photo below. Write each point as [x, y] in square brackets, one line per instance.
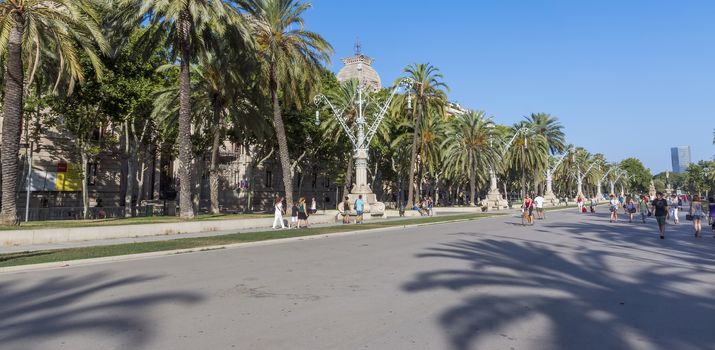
[269, 179]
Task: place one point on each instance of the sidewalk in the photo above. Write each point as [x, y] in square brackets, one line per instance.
[326, 220]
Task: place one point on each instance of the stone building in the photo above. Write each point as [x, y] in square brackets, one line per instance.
[359, 67]
[249, 180]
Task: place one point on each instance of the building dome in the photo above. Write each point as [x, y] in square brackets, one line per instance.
[359, 67]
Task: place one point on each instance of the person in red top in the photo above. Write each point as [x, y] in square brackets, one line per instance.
[529, 209]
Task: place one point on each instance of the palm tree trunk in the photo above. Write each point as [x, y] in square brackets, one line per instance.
[85, 189]
[131, 149]
[413, 156]
[213, 174]
[186, 210]
[281, 137]
[12, 122]
[472, 188]
[131, 179]
[197, 167]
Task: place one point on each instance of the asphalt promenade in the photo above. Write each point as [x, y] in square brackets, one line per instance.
[573, 281]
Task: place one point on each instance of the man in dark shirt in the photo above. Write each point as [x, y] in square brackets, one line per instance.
[660, 210]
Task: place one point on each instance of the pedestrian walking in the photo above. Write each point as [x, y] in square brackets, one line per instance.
[539, 204]
[674, 205]
[613, 207]
[643, 207]
[579, 203]
[660, 210]
[278, 213]
[302, 212]
[430, 206]
[697, 214]
[344, 209]
[528, 209]
[594, 202]
[313, 206]
[711, 213]
[358, 209]
[294, 216]
[631, 209]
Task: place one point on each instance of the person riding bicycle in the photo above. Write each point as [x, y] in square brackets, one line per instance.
[528, 209]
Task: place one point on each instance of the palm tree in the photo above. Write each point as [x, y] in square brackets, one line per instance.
[550, 128]
[468, 148]
[293, 58]
[430, 96]
[430, 135]
[528, 152]
[552, 131]
[52, 30]
[219, 100]
[189, 24]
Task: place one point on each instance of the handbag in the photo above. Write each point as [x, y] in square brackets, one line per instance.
[688, 217]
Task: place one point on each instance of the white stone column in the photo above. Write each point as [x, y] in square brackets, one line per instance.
[494, 198]
[361, 172]
[579, 182]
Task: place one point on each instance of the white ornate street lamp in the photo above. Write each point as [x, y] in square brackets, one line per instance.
[361, 136]
[549, 195]
[493, 196]
[581, 175]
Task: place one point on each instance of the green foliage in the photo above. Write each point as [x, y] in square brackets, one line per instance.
[639, 176]
[468, 146]
[699, 178]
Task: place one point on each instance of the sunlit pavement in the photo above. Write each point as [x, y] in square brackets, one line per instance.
[574, 281]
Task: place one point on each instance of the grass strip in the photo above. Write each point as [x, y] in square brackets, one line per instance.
[128, 221]
[57, 255]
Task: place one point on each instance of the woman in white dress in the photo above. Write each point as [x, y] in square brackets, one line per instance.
[673, 204]
[278, 213]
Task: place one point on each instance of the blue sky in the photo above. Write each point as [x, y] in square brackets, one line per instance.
[626, 78]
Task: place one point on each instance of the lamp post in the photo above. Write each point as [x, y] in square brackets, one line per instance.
[549, 195]
[600, 181]
[361, 136]
[581, 175]
[493, 196]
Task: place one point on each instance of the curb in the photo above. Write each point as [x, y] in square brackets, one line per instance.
[140, 256]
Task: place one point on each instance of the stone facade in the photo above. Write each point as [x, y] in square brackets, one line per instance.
[56, 179]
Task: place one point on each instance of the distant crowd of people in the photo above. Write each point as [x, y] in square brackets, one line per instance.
[661, 207]
[664, 208]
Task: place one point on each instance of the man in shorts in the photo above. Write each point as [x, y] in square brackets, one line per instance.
[660, 211]
[539, 204]
[358, 209]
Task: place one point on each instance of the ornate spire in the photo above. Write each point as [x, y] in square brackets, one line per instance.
[358, 47]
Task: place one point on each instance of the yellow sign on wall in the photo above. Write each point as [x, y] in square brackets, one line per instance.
[69, 177]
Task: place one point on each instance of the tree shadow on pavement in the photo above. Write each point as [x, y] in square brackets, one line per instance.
[57, 307]
[625, 292]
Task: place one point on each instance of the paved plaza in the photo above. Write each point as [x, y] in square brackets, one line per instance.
[574, 281]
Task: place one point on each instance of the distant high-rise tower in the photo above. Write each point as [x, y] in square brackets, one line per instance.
[680, 156]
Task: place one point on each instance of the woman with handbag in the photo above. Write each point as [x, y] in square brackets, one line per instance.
[614, 208]
[631, 209]
[643, 206]
[697, 214]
